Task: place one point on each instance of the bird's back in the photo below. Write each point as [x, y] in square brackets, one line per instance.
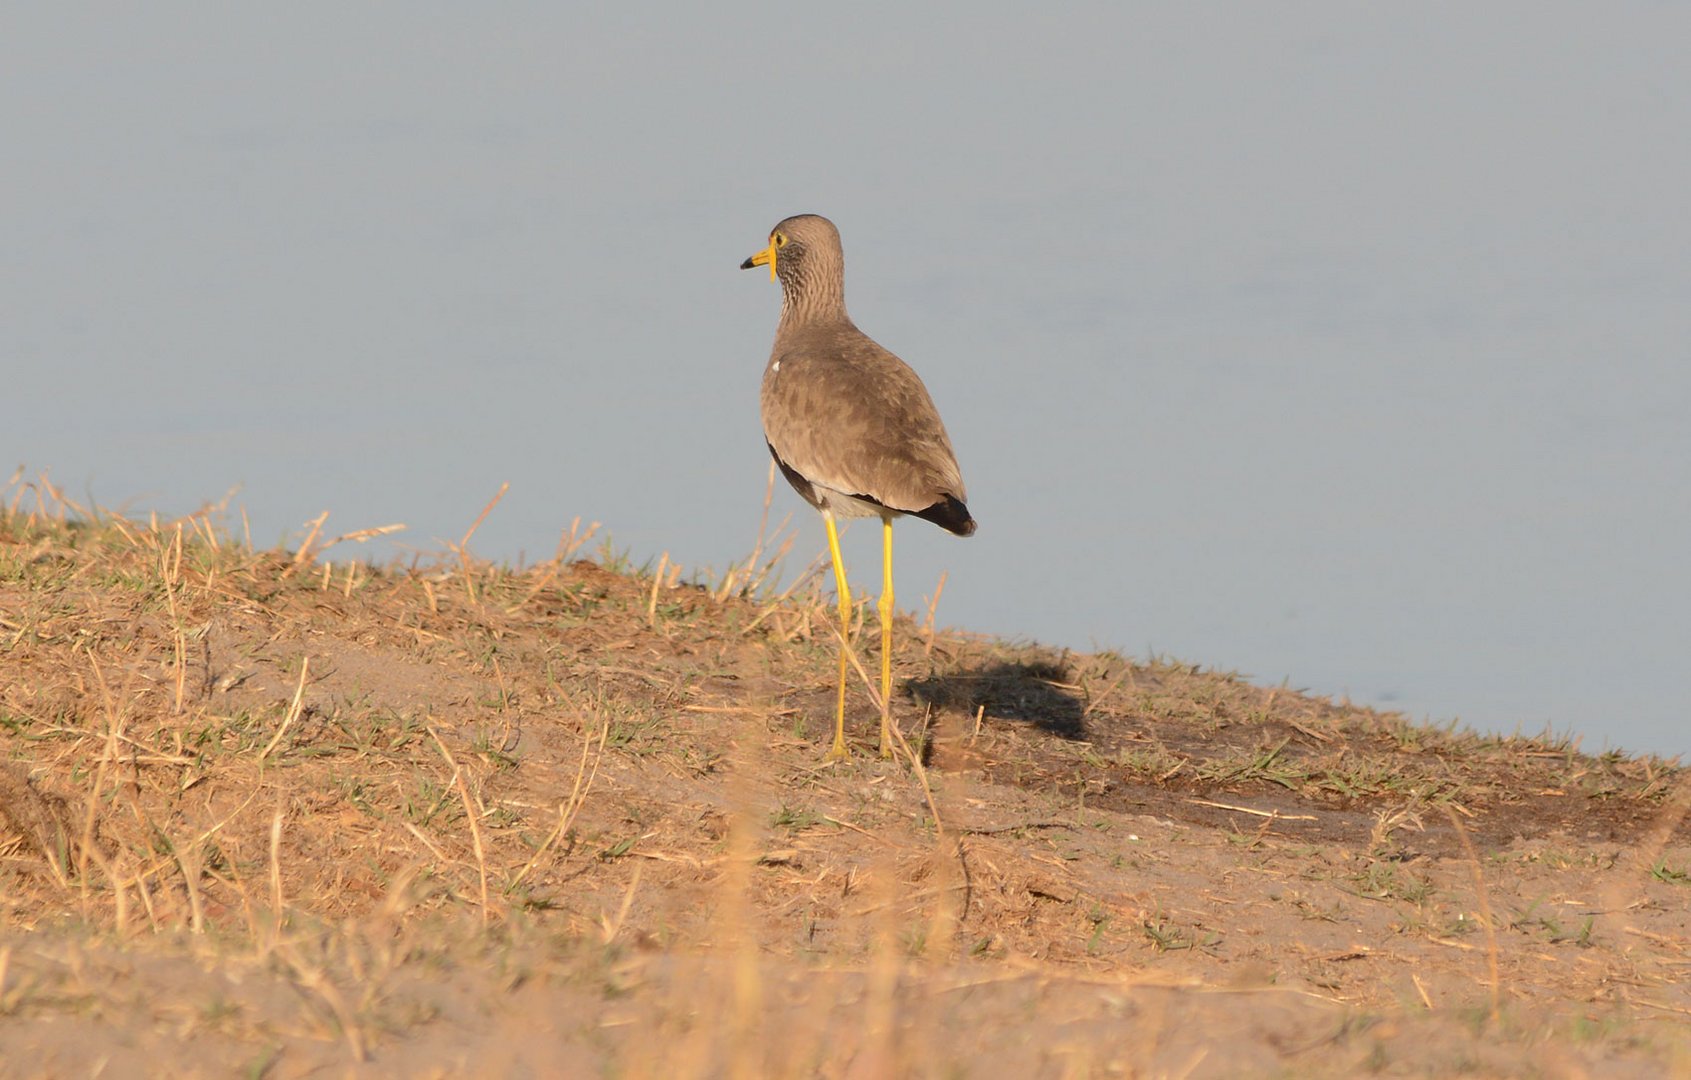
[849, 416]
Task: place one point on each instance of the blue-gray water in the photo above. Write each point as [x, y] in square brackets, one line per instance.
[1345, 344]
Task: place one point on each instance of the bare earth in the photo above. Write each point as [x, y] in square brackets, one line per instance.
[267, 814]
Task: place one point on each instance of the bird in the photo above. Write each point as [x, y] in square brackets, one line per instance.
[851, 426]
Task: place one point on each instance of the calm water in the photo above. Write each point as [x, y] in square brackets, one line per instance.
[1345, 346]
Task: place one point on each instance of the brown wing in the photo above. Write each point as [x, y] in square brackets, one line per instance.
[846, 414]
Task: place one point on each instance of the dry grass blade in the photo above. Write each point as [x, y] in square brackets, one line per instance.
[810, 574]
[573, 541]
[462, 547]
[657, 583]
[463, 544]
[611, 926]
[295, 708]
[572, 807]
[1236, 808]
[115, 718]
[546, 579]
[363, 536]
[170, 572]
[757, 547]
[1483, 900]
[277, 900]
[315, 979]
[1097, 702]
[302, 557]
[471, 813]
[928, 625]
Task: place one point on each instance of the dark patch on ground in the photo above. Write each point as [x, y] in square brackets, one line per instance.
[1022, 692]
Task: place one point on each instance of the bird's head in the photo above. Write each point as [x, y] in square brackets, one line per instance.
[800, 242]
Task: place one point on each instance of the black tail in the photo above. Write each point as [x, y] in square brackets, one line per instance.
[950, 514]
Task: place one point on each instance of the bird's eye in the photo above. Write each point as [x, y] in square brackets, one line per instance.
[779, 240]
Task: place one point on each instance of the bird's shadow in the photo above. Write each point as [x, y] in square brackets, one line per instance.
[1021, 692]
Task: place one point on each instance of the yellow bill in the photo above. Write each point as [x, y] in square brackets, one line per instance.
[767, 255]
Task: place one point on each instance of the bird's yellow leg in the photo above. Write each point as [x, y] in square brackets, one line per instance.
[886, 637]
[839, 752]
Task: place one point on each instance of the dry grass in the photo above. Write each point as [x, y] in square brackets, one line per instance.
[263, 811]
